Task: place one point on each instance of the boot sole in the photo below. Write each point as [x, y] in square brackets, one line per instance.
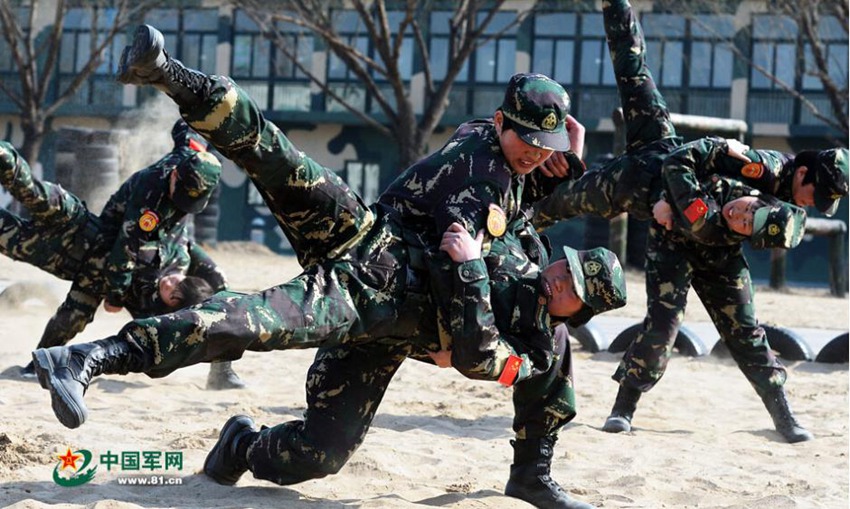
[225, 436]
[616, 425]
[64, 406]
[146, 43]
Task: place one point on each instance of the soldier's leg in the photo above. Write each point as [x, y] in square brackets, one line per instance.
[645, 111]
[345, 386]
[725, 288]
[668, 278]
[314, 309]
[317, 211]
[542, 406]
[46, 202]
[592, 193]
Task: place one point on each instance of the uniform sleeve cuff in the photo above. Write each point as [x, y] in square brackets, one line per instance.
[471, 271]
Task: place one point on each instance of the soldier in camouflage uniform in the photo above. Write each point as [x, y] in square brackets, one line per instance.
[710, 217]
[121, 255]
[362, 299]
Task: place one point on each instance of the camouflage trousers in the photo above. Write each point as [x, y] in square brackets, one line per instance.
[630, 182]
[56, 238]
[352, 302]
[721, 278]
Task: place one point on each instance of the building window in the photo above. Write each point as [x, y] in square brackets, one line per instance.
[774, 41]
[190, 34]
[596, 67]
[439, 47]
[710, 60]
[363, 179]
[834, 40]
[495, 60]
[665, 35]
[76, 51]
[553, 53]
[267, 73]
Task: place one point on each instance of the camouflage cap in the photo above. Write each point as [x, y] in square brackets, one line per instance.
[598, 281]
[778, 225]
[185, 136]
[831, 180]
[197, 176]
[538, 107]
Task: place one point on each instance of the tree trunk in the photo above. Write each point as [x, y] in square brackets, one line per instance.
[33, 138]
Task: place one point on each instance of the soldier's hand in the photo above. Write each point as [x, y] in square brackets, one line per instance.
[663, 214]
[110, 308]
[736, 149]
[442, 358]
[576, 133]
[555, 166]
[460, 245]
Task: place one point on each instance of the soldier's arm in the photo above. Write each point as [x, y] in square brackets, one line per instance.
[681, 173]
[122, 258]
[479, 349]
[539, 185]
[203, 266]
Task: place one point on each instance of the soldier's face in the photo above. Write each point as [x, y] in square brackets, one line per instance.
[739, 214]
[557, 282]
[168, 289]
[521, 156]
[803, 195]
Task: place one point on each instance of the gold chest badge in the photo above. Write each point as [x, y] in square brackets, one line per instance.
[496, 221]
[753, 170]
[148, 221]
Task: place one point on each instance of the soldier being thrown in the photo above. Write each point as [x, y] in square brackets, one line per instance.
[362, 299]
[701, 221]
[134, 255]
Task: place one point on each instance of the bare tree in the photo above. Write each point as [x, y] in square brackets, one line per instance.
[35, 57]
[469, 28]
[814, 59]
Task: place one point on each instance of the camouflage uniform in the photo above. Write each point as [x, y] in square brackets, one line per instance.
[703, 253]
[769, 171]
[361, 299]
[101, 255]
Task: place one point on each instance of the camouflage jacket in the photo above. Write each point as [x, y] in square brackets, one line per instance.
[770, 171]
[469, 181]
[147, 224]
[179, 256]
[497, 321]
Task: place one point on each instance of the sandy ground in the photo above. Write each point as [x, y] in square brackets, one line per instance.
[702, 438]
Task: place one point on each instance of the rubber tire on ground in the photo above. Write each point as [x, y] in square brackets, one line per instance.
[590, 338]
[687, 342]
[785, 342]
[836, 351]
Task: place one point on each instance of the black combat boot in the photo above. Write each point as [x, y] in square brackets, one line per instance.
[228, 459]
[786, 424]
[530, 479]
[28, 371]
[66, 372]
[145, 62]
[620, 419]
[222, 376]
